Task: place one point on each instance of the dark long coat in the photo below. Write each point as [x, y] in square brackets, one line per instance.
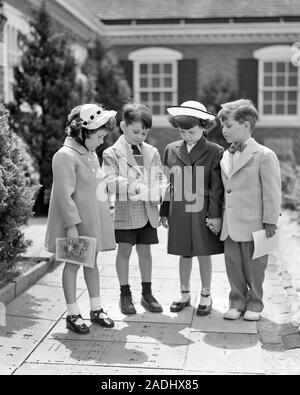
[198, 174]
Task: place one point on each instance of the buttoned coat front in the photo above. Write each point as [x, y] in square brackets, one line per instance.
[196, 194]
[122, 174]
[252, 191]
[79, 197]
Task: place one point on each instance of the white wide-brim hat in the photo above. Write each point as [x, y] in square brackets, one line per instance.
[191, 108]
[93, 116]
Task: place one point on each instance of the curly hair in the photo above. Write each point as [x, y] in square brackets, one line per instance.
[187, 122]
[77, 131]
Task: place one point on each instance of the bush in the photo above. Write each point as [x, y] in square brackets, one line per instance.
[290, 182]
[46, 89]
[16, 197]
[216, 92]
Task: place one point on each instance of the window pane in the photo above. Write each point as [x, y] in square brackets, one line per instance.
[168, 82]
[156, 110]
[268, 67]
[143, 68]
[144, 96]
[168, 68]
[267, 96]
[292, 109]
[292, 69]
[279, 96]
[267, 81]
[155, 68]
[292, 96]
[155, 82]
[168, 97]
[293, 81]
[267, 109]
[280, 81]
[279, 110]
[144, 82]
[280, 67]
[156, 97]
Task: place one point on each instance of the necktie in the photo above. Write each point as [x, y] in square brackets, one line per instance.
[236, 147]
[137, 155]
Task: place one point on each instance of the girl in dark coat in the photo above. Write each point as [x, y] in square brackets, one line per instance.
[194, 209]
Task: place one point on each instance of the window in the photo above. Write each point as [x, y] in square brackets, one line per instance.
[279, 87]
[15, 24]
[156, 78]
[12, 58]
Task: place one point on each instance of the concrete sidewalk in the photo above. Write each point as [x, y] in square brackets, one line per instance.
[36, 341]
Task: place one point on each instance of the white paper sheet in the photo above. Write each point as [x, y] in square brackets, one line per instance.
[263, 245]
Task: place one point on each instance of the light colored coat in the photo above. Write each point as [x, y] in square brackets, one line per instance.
[79, 197]
[252, 191]
[123, 174]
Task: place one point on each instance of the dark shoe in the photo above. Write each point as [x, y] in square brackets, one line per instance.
[204, 310]
[71, 325]
[126, 305]
[106, 322]
[151, 304]
[179, 306]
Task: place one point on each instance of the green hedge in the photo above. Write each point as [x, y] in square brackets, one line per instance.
[17, 190]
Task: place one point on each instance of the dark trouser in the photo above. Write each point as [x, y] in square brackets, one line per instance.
[245, 275]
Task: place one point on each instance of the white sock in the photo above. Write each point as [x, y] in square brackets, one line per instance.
[184, 296]
[73, 309]
[206, 299]
[95, 304]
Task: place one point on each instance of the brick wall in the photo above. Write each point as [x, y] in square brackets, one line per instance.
[212, 59]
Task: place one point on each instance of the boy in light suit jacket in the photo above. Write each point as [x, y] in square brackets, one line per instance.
[133, 170]
[252, 184]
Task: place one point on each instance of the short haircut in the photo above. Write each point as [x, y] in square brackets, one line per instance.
[133, 112]
[242, 110]
[187, 122]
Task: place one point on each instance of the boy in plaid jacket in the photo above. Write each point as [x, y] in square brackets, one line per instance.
[135, 177]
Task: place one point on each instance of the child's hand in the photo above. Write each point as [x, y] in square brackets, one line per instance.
[164, 222]
[214, 224]
[72, 236]
[270, 229]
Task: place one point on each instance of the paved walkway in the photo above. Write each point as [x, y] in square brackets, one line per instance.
[35, 340]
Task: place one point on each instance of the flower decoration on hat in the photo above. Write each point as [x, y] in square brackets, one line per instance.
[94, 116]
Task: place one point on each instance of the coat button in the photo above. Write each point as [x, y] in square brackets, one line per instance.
[228, 190]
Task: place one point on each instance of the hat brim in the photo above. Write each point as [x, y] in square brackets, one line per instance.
[106, 115]
[190, 112]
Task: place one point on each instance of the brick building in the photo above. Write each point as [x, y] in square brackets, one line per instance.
[170, 49]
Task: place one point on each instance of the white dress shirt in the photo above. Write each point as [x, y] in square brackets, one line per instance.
[189, 147]
[237, 154]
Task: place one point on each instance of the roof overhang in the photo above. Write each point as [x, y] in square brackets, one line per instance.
[208, 33]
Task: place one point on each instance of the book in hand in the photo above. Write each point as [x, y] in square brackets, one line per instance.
[82, 253]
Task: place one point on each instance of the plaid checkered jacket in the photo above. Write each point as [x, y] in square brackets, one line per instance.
[123, 174]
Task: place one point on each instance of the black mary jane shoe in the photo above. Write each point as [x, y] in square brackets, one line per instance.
[106, 322]
[204, 310]
[82, 329]
[176, 307]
